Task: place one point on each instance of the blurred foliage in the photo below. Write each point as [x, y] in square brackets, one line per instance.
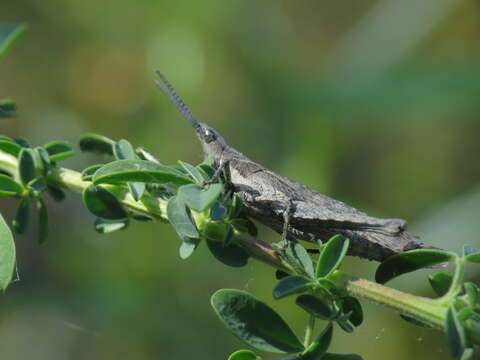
[303, 88]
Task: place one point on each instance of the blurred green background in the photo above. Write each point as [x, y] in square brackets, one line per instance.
[375, 103]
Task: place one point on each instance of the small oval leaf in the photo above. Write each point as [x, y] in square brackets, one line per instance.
[145, 155]
[298, 258]
[121, 171]
[319, 307]
[10, 147]
[200, 199]
[103, 226]
[37, 184]
[352, 305]
[231, 255]
[22, 216]
[254, 322]
[88, 172]
[26, 165]
[96, 143]
[7, 108]
[123, 150]
[188, 247]
[58, 150]
[408, 261]
[331, 255]
[193, 172]
[9, 33]
[103, 204]
[291, 285]
[180, 218]
[455, 333]
[137, 189]
[243, 355]
[7, 254]
[9, 187]
[440, 282]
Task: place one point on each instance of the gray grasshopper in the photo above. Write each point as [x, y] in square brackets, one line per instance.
[293, 209]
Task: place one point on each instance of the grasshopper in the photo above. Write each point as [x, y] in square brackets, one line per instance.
[290, 208]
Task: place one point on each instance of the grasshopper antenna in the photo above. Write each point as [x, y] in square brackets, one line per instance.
[172, 95]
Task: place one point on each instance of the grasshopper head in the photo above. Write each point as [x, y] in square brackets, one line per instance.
[213, 143]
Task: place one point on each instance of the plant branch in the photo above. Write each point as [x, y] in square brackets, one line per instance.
[429, 311]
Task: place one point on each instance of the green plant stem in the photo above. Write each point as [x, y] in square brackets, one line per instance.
[309, 331]
[457, 281]
[429, 311]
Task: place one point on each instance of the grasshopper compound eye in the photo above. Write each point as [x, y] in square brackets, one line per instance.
[209, 136]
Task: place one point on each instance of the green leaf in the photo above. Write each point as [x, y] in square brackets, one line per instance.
[10, 147]
[323, 308]
[44, 160]
[243, 355]
[58, 150]
[455, 333]
[180, 218]
[138, 171]
[95, 143]
[218, 212]
[200, 199]
[26, 165]
[22, 142]
[244, 226]
[7, 108]
[7, 254]
[187, 247]
[329, 356]
[103, 204]
[471, 254]
[37, 184]
[470, 250]
[254, 322]
[352, 305]
[291, 285]
[412, 260]
[145, 155]
[103, 226]
[331, 255]
[236, 207]
[9, 33]
[207, 170]
[9, 187]
[320, 346]
[42, 221]
[440, 282]
[467, 354]
[57, 194]
[88, 172]
[472, 292]
[137, 189]
[344, 322]
[231, 255]
[22, 216]
[192, 171]
[298, 258]
[123, 150]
